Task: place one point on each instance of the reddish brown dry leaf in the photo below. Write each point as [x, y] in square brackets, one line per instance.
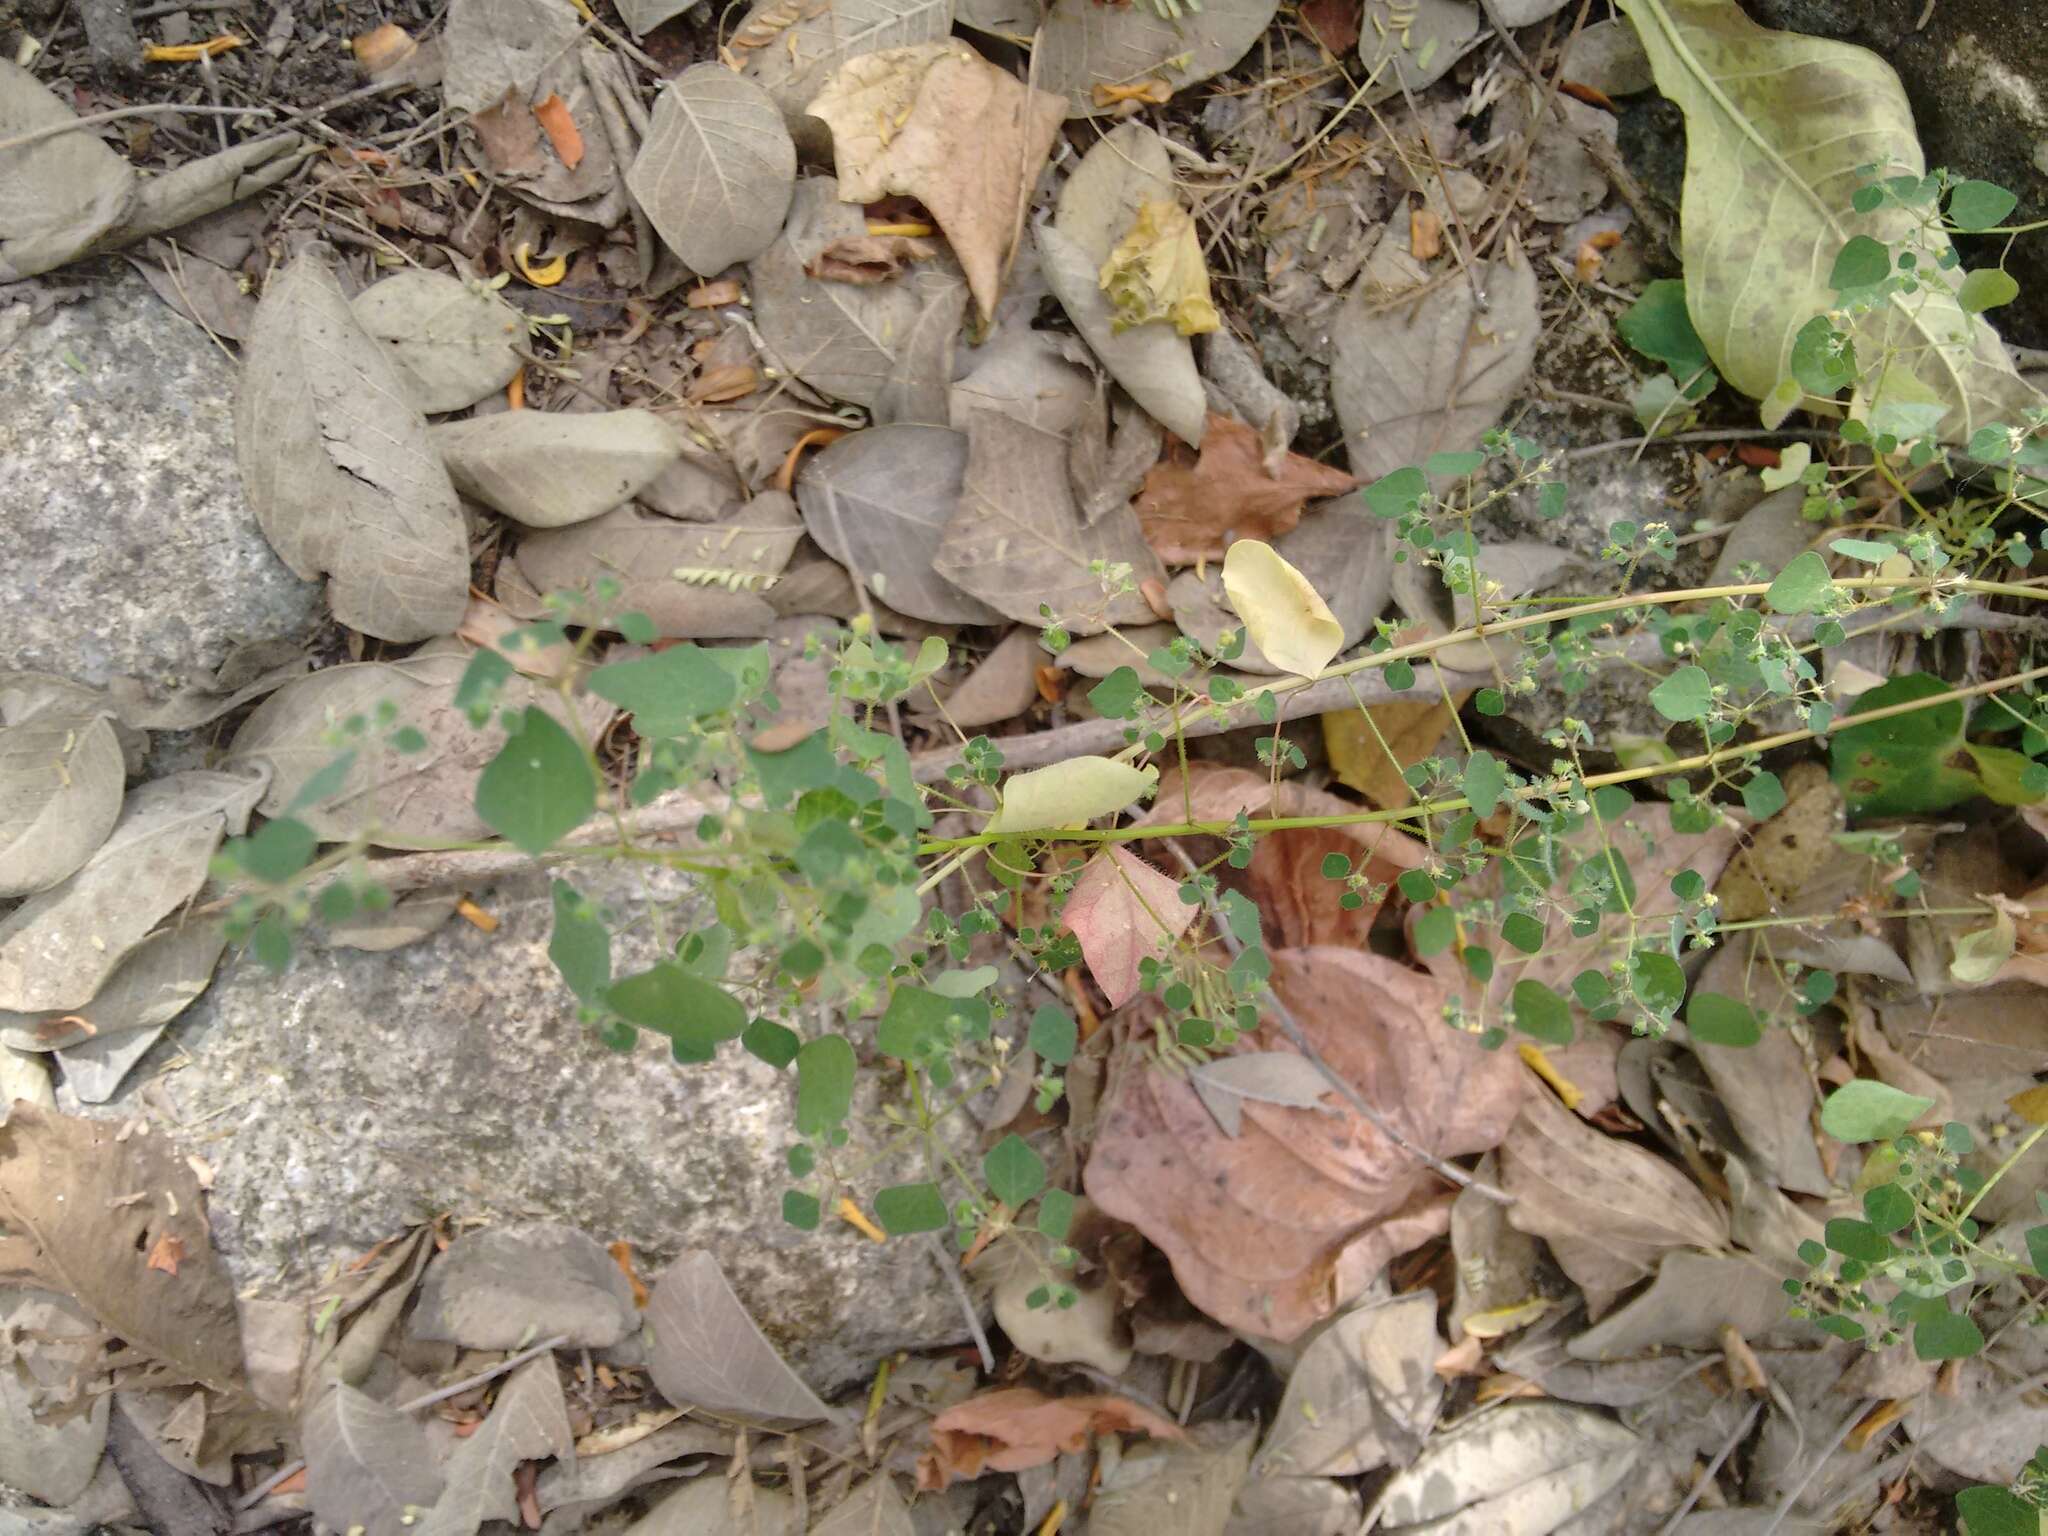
[730, 382]
[509, 136]
[1425, 234]
[1334, 23]
[865, 260]
[622, 1255]
[382, 49]
[1122, 909]
[1015, 1428]
[726, 290]
[168, 1252]
[555, 119]
[1192, 512]
[1277, 1229]
[525, 1483]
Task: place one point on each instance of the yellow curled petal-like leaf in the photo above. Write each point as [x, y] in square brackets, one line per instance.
[1069, 793]
[1156, 273]
[543, 274]
[1286, 616]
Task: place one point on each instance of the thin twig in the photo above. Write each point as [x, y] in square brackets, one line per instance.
[1298, 1038]
[115, 114]
[1706, 435]
[1712, 1469]
[951, 1271]
[1834, 1443]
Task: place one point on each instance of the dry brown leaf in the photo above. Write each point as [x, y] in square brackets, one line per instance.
[1369, 757]
[383, 49]
[1122, 910]
[726, 290]
[559, 124]
[509, 136]
[1193, 512]
[903, 120]
[1017, 1427]
[169, 1249]
[1335, 23]
[1276, 1229]
[869, 258]
[733, 381]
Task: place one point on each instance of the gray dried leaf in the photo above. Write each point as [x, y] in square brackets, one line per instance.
[338, 467]
[878, 503]
[716, 170]
[696, 581]
[24, 695]
[1293, 1506]
[1609, 57]
[549, 469]
[1693, 1297]
[1496, 1264]
[595, 1481]
[504, 1287]
[58, 947]
[1428, 374]
[1003, 684]
[51, 1431]
[885, 345]
[405, 921]
[1183, 1486]
[591, 190]
[712, 1506]
[207, 185]
[61, 776]
[793, 61]
[1017, 539]
[1029, 375]
[249, 672]
[368, 1467]
[1412, 46]
[94, 1069]
[1522, 1470]
[1083, 45]
[529, 1420]
[707, 1353]
[1767, 1088]
[58, 196]
[1107, 469]
[453, 341]
[211, 297]
[875, 1508]
[698, 488]
[1264, 1077]
[160, 978]
[1365, 1392]
[497, 46]
[643, 16]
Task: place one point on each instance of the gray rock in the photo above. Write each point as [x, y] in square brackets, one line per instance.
[130, 548]
[510, 1286]
[358, 1092]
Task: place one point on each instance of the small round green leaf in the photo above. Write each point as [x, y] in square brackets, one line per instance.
[1804, 586]
[907, 1208]
[1687, 694]
[1715, 1019]
[1946, 1336]
[1979, 204]
[1867, 1110]
[1541, 1012]
[539, 788]
[1987, 288]
[1053, 1035]
[1014, 1171]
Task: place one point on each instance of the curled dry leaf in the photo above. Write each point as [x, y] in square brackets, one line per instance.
[453, 341]
[338, 467]
[1123, 910]
[793, 47]
[870, 258]
[52, 1430]
[707, 1353]
[60, 195]
[1017, 1427]
[550, 469]
[528, 1421]
[1364, 1393]
[496, 47]
[1276, 1229]
[1192, 512]
[159, 979]
[1155, 273]
[716, 170]
[899, 119]
[61, 776]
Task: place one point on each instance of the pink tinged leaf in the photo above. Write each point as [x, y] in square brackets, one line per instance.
[1122, 909]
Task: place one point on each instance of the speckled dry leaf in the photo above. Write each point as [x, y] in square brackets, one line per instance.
[1294, 1506]
[1083, 45]
[1017, 539]
[1275, 1230]
[59, 946]
[66, 1188]
[793, 58]
[1193, 511]
[1430, 373]
[1123, 910]
[885, 345]
[160, 978]
[59, 195]
[528, 1421]
[1187, 1487]
[726, 565]
[45, 1450]
[368, 1466]
[60, 793]
[453, 341]
[714, 1506]
[878, 502]
[397, 800]
[706, 1352]
[495, 46]
[1524, 1469]
[899, 119]
[1364, 1392]
[549, 469]
[1578, 1188]
[875, 1508]
[336, 463]
[716, 169]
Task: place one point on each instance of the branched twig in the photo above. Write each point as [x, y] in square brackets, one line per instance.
[951, 1271]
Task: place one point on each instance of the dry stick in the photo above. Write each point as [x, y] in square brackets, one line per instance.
[952, 1273]
[1298, 1038]
[1712, 1468]
[115, 114]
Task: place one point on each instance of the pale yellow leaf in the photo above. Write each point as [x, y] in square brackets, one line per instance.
[1156, 272]
[1287, 617]
[1067, 794]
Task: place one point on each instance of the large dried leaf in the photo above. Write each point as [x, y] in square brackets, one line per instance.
[59, 946]
[1186, 1486]
[95, 1069]
[68, 1197]
[453, 341]
[1411, 47]
[60, 794]
[898, 121]
[500, 1287]
[1276, 1229]
[160, 978]
[1192, 512]
[1768, 182]
[716, 170]
[1521, 1470]
[1694, 1296]
[1126, 170]
[397, 800]
[1012, 1428]
[1609, 1210]
[1017, 539]
[878, 502]
[1083, 45]
[1123, 910]
[52, 1431]
[1418, 373]
[1003, 684]
[707, 1353]
[714, 1506]
[529, 1420]
[792, 50]
[695, 581]
[1365, 1392]
[498, 46]
[337, 465]
[888, 346]
[368, 1466]
[875, 1508]
[59, 195]
[549, 469]
[1768, 1087]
